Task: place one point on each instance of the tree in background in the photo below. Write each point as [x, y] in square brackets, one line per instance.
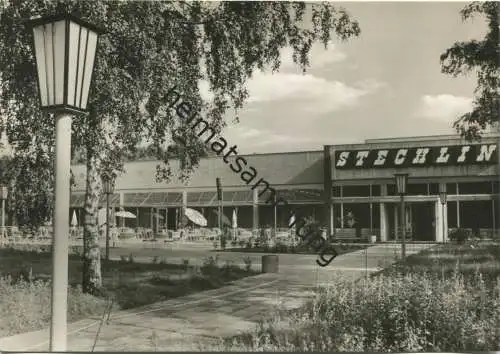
[483, 57]
[151, 46]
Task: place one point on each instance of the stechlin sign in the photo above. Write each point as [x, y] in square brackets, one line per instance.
[483, 154]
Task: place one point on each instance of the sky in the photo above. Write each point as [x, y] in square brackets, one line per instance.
[385, 83]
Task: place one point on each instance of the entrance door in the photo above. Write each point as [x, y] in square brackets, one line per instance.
[423, 221]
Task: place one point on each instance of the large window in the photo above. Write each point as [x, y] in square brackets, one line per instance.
[451, 188]
[476, 214]
[356, 191]
[452, 214]
[417, 189]
[361, 213]
[301, 196]
[475, 188]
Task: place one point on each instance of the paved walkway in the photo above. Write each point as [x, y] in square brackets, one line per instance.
[197, 321]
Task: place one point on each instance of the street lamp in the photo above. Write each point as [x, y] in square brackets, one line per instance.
[65, 50]
[3, 197]
[401, 183]
[108, 190]
[443, 198]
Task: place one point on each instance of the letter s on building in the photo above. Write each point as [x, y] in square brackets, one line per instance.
[342, 159]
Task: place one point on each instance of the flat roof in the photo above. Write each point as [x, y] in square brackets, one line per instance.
[425, 138]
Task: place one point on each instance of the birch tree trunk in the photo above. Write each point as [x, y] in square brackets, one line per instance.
[92, 279]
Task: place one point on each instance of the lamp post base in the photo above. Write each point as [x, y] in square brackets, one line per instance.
[60, 242]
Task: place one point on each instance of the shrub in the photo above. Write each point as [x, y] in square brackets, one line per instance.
[210, 266]
[280, 247]
[412, 313]
[26, 305]
[459, 235]
[248, 263]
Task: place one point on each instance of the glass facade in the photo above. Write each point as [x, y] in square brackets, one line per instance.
[475, 188]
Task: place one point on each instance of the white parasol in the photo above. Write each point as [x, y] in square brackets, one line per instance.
[195, 216]
[235, 219]
[101, 217]
[74, 220]
[125, 214]
[291, 225]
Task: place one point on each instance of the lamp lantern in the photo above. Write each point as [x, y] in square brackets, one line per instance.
[442, 193]
[4, 192]
[401, 183]
[108, 186]
[64, 50]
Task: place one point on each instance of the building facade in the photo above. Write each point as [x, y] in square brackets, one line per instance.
[347, 188]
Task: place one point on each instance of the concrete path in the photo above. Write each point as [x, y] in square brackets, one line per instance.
[198, 321]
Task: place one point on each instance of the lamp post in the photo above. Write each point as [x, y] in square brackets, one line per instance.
[401, 183]
[108, 190]
[443, 199]
[65, 49]
[219, 198]
[3, 197]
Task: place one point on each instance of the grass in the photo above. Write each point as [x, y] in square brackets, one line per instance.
[25, 285]
[443, 299]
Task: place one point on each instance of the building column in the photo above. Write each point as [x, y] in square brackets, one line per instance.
[157, 219]
[151, 221]
[384, 216]
[122, 202]
[438, 210]
[397, 206]
[383, 223]
[184, 206]
[255, 209]
[331, 218]
[445, 227]
[341, 207]
[328, 190]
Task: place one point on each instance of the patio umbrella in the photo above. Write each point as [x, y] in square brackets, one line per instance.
[195, 216]
[225, 219]
[125, 214]
[101, 217]
[158, 216]
[235, 219]
[291, 225]
[291, 222]
[74, 220]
